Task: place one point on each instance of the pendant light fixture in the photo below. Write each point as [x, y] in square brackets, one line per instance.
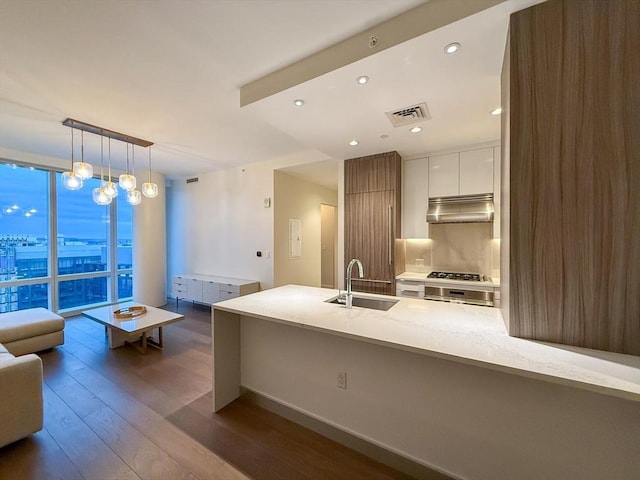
[110, 188]
[83, 169]
[70, 180]
[107, 191]
[150, 189]
[127, 181]
[99, 194]
[133, 196]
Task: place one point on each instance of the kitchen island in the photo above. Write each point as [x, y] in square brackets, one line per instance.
[439, 384]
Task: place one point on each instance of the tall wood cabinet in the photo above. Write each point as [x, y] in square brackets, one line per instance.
[372, 220]
[571, 174]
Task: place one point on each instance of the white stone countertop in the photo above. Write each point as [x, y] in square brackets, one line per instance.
[463, 333]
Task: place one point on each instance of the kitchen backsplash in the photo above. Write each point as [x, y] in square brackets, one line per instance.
[463, 247]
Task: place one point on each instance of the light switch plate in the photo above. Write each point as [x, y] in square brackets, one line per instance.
[267, 202]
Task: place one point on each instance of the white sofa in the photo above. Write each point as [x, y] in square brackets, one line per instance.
[21, 334]
[20, 396]
[31, 330]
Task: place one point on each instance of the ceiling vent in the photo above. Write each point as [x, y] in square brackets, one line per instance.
[409, 115]
[192, 180]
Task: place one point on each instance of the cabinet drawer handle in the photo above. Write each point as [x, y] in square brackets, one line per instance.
[390, 234]
[370, 280]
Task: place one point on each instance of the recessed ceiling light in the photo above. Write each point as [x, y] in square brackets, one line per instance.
[353, 143]
[497, 111]
[298, 102]
[452, 48]
[362, 79]
[416, 130]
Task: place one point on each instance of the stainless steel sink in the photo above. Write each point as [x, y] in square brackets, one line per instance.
[366, 302]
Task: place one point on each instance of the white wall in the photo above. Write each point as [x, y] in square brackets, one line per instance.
[471, 422]
[298, 199]
[150, 247]
[216, 226]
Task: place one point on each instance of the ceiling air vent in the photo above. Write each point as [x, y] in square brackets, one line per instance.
[192, 180]
[409, 115]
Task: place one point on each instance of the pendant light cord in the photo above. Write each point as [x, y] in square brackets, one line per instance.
[109, 144]
[72, 149]
[101, 159]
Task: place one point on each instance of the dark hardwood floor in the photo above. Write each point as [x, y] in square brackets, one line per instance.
[117, 414]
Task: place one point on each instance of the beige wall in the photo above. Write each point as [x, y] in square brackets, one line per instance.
[329, 245]
[298, 199]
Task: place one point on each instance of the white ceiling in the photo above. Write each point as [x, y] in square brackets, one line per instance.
[169, 71]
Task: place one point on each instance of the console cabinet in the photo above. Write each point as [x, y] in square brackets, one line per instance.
[210, 289]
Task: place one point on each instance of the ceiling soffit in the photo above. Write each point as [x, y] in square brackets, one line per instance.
[405, 26]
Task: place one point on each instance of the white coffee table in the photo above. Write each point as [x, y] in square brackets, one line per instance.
[134, 329]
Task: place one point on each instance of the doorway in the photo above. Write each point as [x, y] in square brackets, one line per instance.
[329, 245]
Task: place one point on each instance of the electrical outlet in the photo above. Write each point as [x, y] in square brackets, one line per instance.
[342, 380]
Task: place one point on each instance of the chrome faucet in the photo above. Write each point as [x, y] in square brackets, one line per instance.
[349, 295]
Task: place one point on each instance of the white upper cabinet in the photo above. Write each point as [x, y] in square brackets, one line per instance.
[464, 173]
[443, 175]
[415, 198]
[476, 171]
[471, 172]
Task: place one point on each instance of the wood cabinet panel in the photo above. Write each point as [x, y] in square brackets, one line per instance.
[372, 173]
[373, 218]
[574, 174]
[369, 233]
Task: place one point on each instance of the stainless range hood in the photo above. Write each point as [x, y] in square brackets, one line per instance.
[461, 209]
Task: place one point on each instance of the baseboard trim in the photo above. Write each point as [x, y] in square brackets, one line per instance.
[392, 459]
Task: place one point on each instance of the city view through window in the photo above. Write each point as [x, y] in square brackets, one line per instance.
[90, 261]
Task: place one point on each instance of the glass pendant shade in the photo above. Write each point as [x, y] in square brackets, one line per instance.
[127, 182]
[150, 190]
[100, 196]
[110, 188]
[71, 181]
[83, 169]
[134, 197]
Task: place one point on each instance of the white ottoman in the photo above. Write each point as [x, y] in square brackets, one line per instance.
[31, 330]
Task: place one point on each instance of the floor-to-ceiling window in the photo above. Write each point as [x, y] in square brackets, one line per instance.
[89, 263]
[24, 238]
[124, 252]
[82, 246]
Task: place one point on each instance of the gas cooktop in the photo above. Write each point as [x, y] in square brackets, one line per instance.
[472, 277]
